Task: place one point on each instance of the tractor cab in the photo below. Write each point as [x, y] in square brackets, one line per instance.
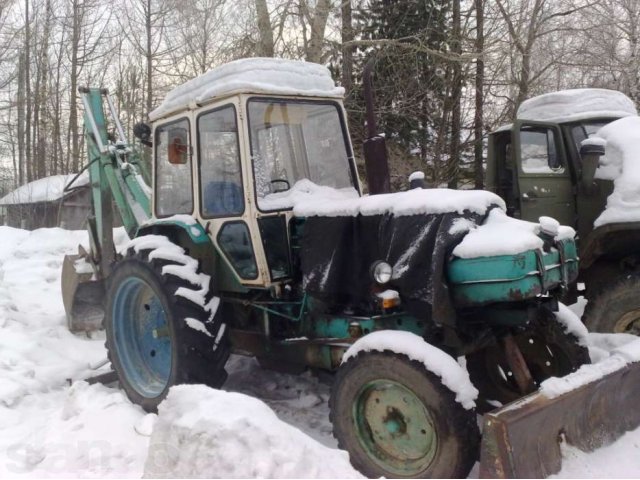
[537, 164]
[233, 155]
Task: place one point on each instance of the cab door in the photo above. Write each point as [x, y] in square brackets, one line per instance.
[224, 204]
[544, 180]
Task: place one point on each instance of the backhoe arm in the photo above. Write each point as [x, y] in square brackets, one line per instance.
[115, 172]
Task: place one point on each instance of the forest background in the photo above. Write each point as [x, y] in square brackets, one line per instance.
[447, 72]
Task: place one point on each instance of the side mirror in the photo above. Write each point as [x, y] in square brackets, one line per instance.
[590, 152]
[142, 131]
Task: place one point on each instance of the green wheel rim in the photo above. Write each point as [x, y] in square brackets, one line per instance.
[394, 427]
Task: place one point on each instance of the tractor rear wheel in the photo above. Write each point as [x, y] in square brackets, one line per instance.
[615, 309]
[397, 420]
[547, 349]
[156, 337]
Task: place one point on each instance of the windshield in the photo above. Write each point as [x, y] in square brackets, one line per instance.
[294, 143]
[582, 131]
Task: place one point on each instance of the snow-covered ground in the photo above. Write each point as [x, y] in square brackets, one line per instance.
[54, 425]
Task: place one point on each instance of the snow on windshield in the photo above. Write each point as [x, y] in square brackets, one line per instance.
[305, 191]
[293, 141]
[622, 165]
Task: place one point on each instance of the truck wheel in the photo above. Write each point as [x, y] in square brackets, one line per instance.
[157, 338]
[397, 420]
[615, 309]
[547, 350]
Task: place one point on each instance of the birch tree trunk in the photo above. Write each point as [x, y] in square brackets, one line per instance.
[318, 26]
[265, 44]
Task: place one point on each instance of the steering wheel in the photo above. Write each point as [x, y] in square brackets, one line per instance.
[280, 180]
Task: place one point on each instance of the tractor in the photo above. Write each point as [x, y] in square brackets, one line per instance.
[252, 235]
[543, 164]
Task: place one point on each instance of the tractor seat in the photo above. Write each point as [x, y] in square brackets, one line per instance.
[222, 198]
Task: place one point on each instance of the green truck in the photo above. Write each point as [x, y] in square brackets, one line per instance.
[543, 164]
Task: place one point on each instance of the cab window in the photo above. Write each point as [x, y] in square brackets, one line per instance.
[538, 153]
[219, 163]
[174, 187]
[297, 143]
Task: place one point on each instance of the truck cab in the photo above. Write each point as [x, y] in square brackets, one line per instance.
[536, 166]
[540, 167]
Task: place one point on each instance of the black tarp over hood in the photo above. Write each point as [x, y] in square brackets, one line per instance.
[337, 254]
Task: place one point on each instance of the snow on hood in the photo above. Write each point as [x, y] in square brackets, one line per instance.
[252, 75]
[503, 235]
[621, 164]
[310, 200]
[577, 104]
[46, 189]
[201, 432]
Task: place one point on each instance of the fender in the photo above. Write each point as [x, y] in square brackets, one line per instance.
[453, 375]
[186, 223]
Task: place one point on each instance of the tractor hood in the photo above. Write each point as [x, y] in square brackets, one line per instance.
[414, 232]
[418, 233]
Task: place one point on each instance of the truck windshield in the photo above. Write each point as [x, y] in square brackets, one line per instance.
[297, 145]
[584, 129]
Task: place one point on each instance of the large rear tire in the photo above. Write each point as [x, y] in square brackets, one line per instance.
[616, 308]
[397, 420]
[547, 349]
[155, 336]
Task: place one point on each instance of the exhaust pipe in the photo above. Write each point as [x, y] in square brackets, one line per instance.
[374, 147]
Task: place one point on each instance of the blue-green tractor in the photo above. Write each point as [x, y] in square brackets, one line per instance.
[252, 236]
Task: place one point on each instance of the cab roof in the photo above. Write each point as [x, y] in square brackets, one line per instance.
[251, 75]
[577, 104]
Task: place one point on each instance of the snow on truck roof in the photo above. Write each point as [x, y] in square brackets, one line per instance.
[251, 75]
[576, 104]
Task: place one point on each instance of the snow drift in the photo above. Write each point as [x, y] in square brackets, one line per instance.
[202, 433]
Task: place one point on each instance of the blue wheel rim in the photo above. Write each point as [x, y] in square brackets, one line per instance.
[142, 337]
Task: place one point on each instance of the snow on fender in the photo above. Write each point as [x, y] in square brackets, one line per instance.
[453, 376]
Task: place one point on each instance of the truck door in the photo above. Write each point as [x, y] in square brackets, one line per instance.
[544, 180]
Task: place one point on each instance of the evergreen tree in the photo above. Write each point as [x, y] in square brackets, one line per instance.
[411, 84]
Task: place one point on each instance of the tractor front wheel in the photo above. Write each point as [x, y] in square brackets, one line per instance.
[547, 349]
[397, 420]
[157, 338]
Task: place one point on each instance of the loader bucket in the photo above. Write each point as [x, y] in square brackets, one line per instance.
[82, 295]
[522, 439]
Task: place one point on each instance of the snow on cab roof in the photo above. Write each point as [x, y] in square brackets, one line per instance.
[46, 189]
[251, 75]
[577, 104]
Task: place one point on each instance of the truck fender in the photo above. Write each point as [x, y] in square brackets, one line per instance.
[451, 373]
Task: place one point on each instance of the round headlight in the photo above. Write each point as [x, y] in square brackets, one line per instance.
[382, 272]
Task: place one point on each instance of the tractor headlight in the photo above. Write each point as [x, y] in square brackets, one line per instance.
[381, 272]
